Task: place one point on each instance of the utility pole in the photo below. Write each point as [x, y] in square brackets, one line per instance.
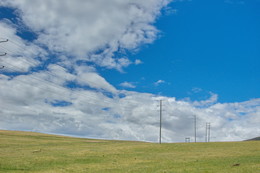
[3, 54]
[160, 135]
[187, 140]
[2, 41]
[195, 128]
[207, 135]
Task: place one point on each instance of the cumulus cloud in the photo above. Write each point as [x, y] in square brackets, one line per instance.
[133, 116]
[95, 81]
[213, 99]
[157, 83]
[127, 85]
[196, 90]
[138, 61]
[82, 27]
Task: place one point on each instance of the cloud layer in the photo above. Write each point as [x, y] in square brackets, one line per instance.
[28, 105]
[91, 30]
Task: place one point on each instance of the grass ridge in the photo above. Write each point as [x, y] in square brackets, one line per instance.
[33, 152]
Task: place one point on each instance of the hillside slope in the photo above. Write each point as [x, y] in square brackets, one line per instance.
[254, 139]
[23, 152]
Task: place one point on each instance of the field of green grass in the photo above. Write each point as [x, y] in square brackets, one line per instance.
[33, 152]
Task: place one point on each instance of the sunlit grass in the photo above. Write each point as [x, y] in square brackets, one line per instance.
[33, 152]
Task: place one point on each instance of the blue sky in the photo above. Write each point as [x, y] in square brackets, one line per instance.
[213, 46]
[99, 68]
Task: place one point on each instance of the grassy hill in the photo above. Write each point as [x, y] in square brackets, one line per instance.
[255, 139]
[22, 152]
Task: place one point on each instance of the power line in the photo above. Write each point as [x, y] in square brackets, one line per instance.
[24, 52]
[30, 63]
[20, 46]
[49, 83]
[20, 58]
[27, 62]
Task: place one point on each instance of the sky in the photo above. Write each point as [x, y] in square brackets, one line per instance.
[98, 69]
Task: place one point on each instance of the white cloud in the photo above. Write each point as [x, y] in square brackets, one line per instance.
[196, 90]
[84, 27]
[159, 82]
[94, 81]
[133, 117]
[127, 85]
[138, 61]
[213, 99]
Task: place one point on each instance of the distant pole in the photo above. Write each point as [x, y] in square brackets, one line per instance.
[187, 140]
[160, 136]
[2, 41]
[206, 134]
[3, 54]
[209, 134]
[195, 128]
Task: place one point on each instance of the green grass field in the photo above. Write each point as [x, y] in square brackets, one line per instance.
[33, 152]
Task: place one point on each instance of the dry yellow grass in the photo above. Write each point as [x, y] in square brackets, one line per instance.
[23, 152]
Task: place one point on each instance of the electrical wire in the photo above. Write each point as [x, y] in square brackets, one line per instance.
[107, 101]
[47, 84]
